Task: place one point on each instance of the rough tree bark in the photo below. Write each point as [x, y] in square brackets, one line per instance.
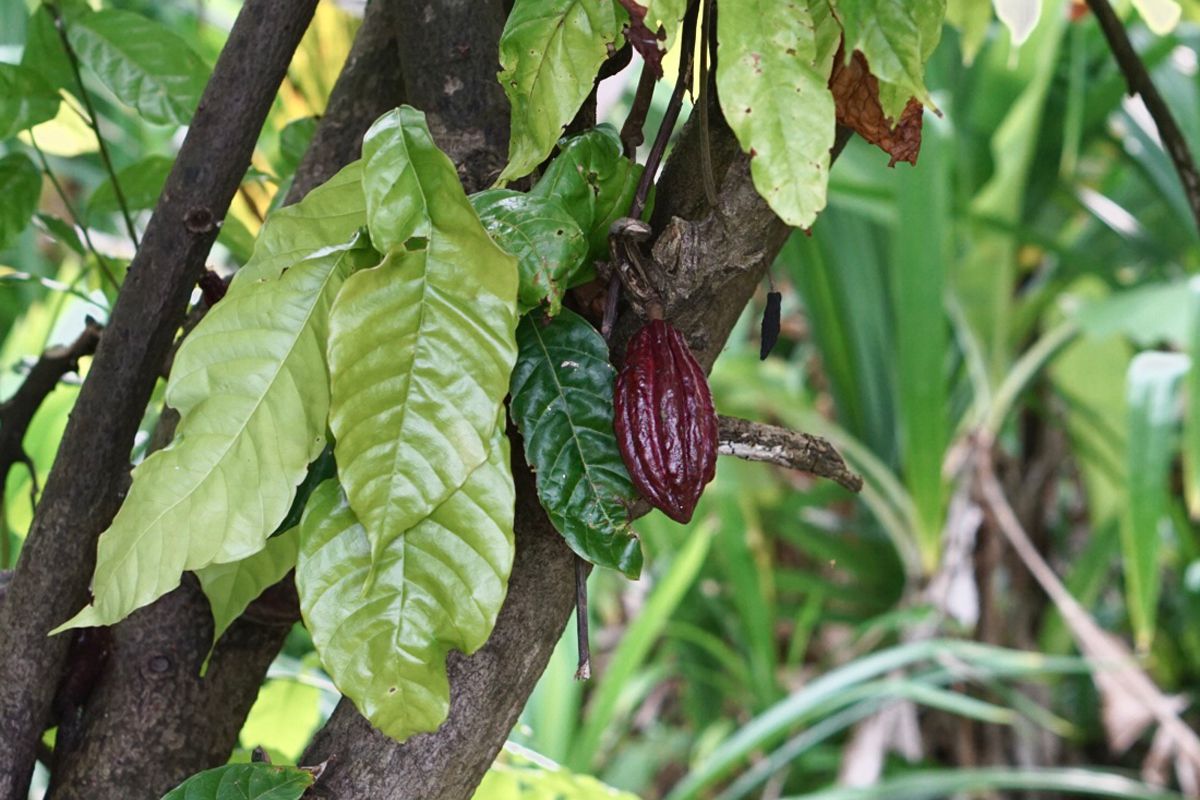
[728, 249]
[83, 491]
[153, 681]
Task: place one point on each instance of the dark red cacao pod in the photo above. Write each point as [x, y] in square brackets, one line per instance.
[664, 420]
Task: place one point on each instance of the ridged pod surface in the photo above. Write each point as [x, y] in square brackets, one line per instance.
[664, 420]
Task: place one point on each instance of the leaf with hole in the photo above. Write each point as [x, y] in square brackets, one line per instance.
[251, 385]
[436, 587]
[550, 53]
[549, 246]
[421, 347]
[772, 77]
[25, 100]
[562, 401]
[244, 782]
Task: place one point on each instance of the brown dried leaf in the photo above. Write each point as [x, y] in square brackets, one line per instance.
[856, 92]
[644, 40]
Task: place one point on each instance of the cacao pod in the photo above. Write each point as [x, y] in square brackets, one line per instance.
[664, 420]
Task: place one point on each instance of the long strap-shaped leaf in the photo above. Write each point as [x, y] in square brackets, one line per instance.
[772, 76]
[562, 391]
[437, 587]
[421, 347]
[251, 386]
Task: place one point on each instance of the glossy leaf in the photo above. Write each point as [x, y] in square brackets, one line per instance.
[897, 37]
[550, 53]
[145, 64]
[562, 401]
[331, 212]
[548, 243]
[231, 587]
[775, 97]
[421, 347]
[25, 100]
[594, 182]
[1153, 392]
[140, 183]
[251, 385]
[20, 188]
[437, 587]
[243, 782]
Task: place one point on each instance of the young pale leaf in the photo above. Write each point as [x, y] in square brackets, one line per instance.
[897, 37]
[145, 64]
[25, 100]
[774, 93]
[594, 182]
[332, 212]
[437, 587]
[1153, 393]
[421, 347]
[251, 385]
[243, 782]
[548, 243]
[20, 188]
[562, 389]
[141, 184]
[550, 52]
[231, 587]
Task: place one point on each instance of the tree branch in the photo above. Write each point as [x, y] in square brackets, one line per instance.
[154, 680]
[1138, 80]
[757, 441]
[83, 491]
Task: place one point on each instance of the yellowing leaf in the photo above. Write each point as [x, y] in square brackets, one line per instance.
[231, 587]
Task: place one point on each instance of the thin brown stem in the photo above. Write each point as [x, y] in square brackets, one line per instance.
[584, 671]
[93, 120]
[632, 132]
[706, 162]
[1138, 79]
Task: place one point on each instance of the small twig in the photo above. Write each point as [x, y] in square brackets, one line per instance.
[632, 133]
[245, 193]
[584, 671]
[1138, 80]
[62, 195]
[92, 120]
[706, 163]
[757, 441]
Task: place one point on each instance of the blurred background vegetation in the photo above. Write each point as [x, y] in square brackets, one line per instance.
[999, 340]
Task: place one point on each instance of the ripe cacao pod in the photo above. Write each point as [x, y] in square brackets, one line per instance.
[664, 420]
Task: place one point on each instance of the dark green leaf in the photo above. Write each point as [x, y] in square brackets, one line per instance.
[25, 100]
[293, 141]
[20, 189]
[243, 782]
[145, 64]
[548, 243]
[594, 182]
[62, 231]
[141, 184]
[44, 53]
[562, 391]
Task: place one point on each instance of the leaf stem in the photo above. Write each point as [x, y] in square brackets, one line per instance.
[706, 164]
[632, 133]
[92, 120]
[62, 195]
[1138, 80]
[584, 671]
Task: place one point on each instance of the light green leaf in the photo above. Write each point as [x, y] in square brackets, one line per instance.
[293, 142]
[665, 13]
[243, 782]
[897, 37]
[145, 64]
[141, 184]
[25, 100]
[562, 390]
[437, 587]
[284, 716]
[62, 231]
[548, 243]
[1161, 16]
[520, 774]
[332, 212]
[20, 189]
[1153, 391]
[233, 586]
[1191, 424]
[421, 347]
[972, 19]
[776, 99]
[594, 182]
[251, 385]
[1149, 314]
[44, 53]
[550, 52]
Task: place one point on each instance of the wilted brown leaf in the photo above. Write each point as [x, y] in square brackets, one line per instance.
[644, 40]
[856, 92]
